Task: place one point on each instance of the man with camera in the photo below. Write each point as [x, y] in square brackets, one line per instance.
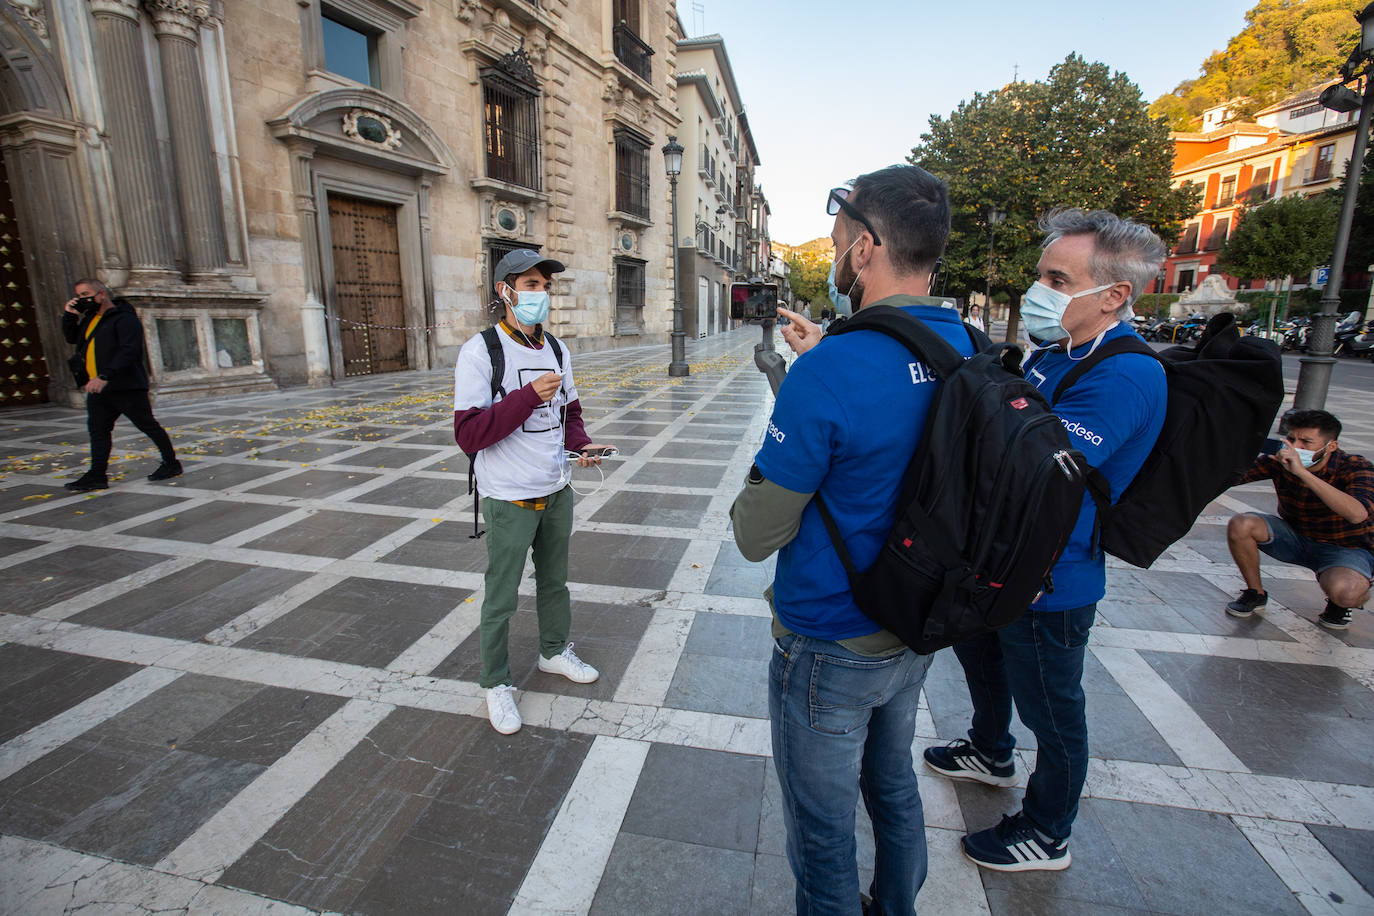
[1325, 520]
[108, 365]
[848, 416]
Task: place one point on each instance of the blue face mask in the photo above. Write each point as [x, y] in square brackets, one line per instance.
[1042, 309]
[842, 305]
[531, 307]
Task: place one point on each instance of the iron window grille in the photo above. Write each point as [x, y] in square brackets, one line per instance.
[511, 124]
[631, 174]
[631, 51]
[629, 296]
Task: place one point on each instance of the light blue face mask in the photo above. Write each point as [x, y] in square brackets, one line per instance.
[842, 305]
[531, 306]
[1042, 309]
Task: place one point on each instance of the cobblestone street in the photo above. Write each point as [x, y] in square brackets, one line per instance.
[253, 689]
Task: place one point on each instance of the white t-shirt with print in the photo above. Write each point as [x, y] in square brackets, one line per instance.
[530, 462]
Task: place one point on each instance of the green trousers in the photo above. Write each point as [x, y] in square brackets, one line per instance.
[512, 534]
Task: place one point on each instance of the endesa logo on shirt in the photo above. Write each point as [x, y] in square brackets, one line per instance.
[775, 432]
[1078, 429]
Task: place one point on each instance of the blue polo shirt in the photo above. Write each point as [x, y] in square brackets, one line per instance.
[1113, 415]
[847, 421]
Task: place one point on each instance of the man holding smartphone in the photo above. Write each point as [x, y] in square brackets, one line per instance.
[521, 437]
[1325, 520]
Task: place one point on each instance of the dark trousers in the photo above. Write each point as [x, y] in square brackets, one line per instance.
[1037, 663]
[104, 408]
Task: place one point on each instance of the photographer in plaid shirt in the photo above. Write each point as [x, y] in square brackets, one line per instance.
[1325, 520]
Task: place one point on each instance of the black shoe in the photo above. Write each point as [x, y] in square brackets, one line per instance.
[166, 470]
[1250, 600]
[87, 482]
[1334, 617]
[1014, 845]
[959, 760]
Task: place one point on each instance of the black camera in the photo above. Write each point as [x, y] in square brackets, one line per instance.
[753, 302]
[86, 304]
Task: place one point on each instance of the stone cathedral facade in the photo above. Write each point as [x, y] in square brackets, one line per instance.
[296, 191]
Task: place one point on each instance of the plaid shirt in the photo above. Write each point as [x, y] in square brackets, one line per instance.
[1304, 510]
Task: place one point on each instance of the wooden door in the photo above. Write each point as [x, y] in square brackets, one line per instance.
[368, 298]
[23, 370]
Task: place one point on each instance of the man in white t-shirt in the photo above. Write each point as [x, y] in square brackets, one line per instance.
[521, 435]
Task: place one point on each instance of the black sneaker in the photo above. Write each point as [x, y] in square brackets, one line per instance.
[1249, 601]
[87, 482]
[166, 470]
[1014, 845]
[1334, 617]
[959, 760]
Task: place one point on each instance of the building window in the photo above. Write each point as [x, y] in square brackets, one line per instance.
[631, 174]
[629, 296]
[1325, 156]
[349, 50]
[1259, 185]
[495, 252]
[1188, 244]
[511, 126]
[1304, 111]
[1228, 192]
[1218, 236]
[629, 48]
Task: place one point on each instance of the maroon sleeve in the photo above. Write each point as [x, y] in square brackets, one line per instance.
[1263, 469]
[479, 427]
[575, 436]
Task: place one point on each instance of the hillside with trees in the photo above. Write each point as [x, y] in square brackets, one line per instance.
[1286, 46]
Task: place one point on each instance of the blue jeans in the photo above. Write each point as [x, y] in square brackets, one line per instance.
[1038, 663]
[842, 725]
[1287, 546]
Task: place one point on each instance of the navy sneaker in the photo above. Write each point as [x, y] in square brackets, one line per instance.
[960, 760]
[1014, 845]
[1250, 600]
[1334, 617]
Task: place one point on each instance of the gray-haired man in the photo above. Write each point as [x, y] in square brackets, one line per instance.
[1092, 268]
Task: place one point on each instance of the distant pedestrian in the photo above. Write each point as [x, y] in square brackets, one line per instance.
[521, 437]
[1325, 520]
[975, 318]
[1092, 268]
[108, 366]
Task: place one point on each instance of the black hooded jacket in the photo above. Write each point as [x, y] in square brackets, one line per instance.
[118, 343]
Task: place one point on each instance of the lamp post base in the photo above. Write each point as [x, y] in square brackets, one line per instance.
[678, 367]
[1314, 380]
[679, 370]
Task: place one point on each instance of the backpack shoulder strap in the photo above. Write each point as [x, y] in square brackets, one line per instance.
[911, 332]
[556, 347]
[492, 337]
[1127, 344]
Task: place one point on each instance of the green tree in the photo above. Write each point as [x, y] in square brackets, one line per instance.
[1284, 237]
[1081, 138]
[1286, 46]
[808, 277]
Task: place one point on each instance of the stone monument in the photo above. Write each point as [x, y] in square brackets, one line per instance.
[1211, 296]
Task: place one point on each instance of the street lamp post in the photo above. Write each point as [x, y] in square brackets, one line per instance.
[672, 160]
[1314, 373]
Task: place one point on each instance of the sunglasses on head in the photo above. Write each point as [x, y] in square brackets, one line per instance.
[838, 201]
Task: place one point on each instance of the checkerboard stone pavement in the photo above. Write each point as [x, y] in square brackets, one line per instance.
[253, 689]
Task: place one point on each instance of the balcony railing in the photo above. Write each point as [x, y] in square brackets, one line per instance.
[631, 51]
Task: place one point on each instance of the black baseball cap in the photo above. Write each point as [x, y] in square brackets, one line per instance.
[521, 260]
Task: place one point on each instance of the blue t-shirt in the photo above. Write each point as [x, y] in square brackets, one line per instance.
[846, 423]
[1113, 415]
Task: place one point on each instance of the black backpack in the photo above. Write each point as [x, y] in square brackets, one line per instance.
[491, 337]
[987, 504]
[1223, 396]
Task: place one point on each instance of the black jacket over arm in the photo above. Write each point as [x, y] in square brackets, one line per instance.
[118, 343]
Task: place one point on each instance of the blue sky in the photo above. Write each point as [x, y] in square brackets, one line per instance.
[835, 89]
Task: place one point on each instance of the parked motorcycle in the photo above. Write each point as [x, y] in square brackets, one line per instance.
[1347, 329]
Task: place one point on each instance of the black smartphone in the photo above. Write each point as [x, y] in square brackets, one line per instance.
[1271, 446]
[608, 451]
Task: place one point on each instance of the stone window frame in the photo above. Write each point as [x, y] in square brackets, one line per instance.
[630, 282]
[624, 141]
[208, 364]
[386, 19]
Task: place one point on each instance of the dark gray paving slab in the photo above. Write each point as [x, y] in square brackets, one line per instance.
[437, 436]
[228, 445]
[221, 475]
[678, 474]
[1023, 903]
[263, 726]
[947, 693]
[619, 559]
[1194, 606]
[1206, 866]
[1354, 849]
[416, 493]
[452, 462]
[730, 636]
[772, 891]
[732, 574]
[27, 495]
[1306, 599]
[358, 621]
[192, 603]
[651, 875]
[701, 451]
[307, 450]
[388, 456]
[448, 545]
[613, 430]
[37, 684]
[10, 546]
[34, 585]
[328, 533]
[711, 683]
[361, 433]
[208, 523]
[314, 484]
[707, 798]
[663, 510]
[606, 636]
[109, 507]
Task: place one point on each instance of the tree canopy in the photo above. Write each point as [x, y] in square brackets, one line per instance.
[808, 277]
[1284, 237]
[1082, 138]
[1286, 46]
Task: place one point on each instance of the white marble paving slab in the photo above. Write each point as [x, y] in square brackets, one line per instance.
[953, 884]
[1317, 879]
[650, 673]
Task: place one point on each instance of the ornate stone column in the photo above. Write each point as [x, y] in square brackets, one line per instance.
[177, 25]
[132, 132]
[314, 324]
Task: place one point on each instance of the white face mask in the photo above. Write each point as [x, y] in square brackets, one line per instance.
[1043, 310]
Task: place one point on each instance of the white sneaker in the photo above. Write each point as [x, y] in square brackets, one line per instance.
[570, 666]
[505, 718]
